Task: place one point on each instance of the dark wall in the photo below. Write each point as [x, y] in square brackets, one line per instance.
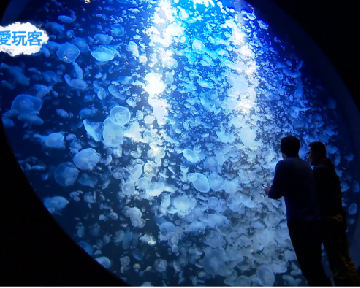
[333, 25]
[14, 8]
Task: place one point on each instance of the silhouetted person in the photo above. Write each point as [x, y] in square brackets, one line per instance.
[294, 180]
[333, 217]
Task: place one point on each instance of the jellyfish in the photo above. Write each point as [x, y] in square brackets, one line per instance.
[113, 134]
[31, 119]
[53, 140]
[135, 215]
[26, 104]
[191, 156]
[87, 247]
[81, 44]
[200, 182]
[216, 182]
[114, 90]
[55, 204]
[183, 204]
[214, 261]
[68, 52]
[266, 276]
[104, 261]
[103, 38]
[160, 265]
[66, 174]
[86, 159]
[88, 180]
[120, 115]
[103, 54]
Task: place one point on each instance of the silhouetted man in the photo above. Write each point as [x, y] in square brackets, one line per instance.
[333, 216]
[294, 180]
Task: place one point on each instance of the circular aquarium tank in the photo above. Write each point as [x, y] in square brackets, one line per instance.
[149, 127]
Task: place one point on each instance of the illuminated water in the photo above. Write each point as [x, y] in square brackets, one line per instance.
[159, 122]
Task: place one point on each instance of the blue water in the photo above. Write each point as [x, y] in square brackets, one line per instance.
[228, 102]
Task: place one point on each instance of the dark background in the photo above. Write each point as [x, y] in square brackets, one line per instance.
[34, 250]
[334, 25]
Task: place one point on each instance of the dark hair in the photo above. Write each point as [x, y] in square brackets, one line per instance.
[318, 150]
[290, 145]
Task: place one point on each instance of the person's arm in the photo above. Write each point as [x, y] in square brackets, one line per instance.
[277, 190]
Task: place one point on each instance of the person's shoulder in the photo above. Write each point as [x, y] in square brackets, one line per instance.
[320, 169]
[292, 161]
[296, 163]
[324, 165]
[304, 163]
[281, 163]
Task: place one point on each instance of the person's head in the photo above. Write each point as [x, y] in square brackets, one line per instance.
[316, 152]
[290, 146]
